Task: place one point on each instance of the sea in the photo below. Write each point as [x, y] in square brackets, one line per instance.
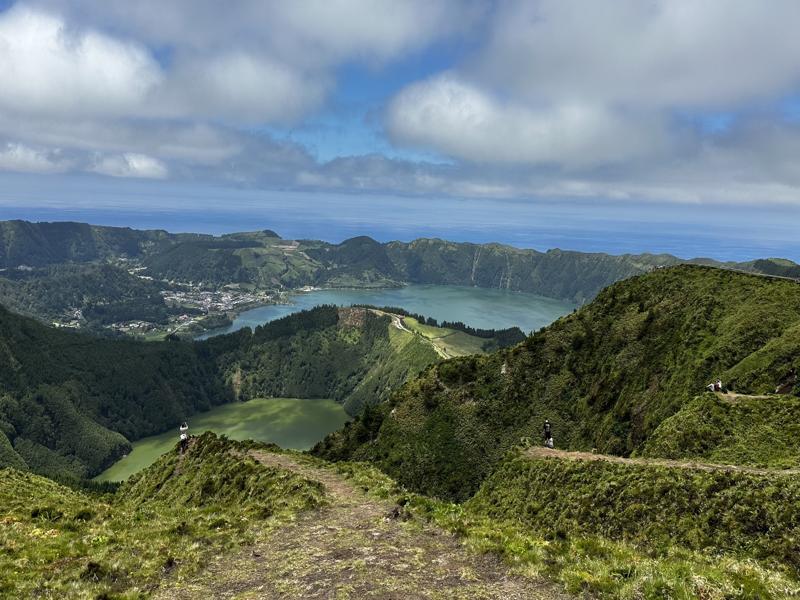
[686, 230]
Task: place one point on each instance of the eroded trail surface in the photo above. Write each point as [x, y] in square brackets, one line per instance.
[541, 452]
[357, 548]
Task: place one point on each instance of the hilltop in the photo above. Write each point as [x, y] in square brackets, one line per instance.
[614, 376]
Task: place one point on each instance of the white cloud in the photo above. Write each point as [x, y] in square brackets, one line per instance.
[130, 165]
[459, 119]
[662, 53]
[48, 68]
[305, 33]
[21, 158]
[241, 87]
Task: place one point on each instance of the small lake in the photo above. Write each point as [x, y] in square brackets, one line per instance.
[289, 422]
[478, 307]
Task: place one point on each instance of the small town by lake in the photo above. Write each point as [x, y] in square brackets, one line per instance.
[293, 423]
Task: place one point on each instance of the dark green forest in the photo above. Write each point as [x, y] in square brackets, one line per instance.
[103, 293]
[69, 402]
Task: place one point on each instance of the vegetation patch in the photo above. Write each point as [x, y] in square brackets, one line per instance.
[761, 431]
[165, 523]
[731, 512]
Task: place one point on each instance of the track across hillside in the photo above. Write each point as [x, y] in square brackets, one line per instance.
[542, 452]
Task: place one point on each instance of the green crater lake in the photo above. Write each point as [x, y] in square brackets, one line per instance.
[478, 307]
[289, 422]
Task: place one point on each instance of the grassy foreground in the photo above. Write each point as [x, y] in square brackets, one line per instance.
[57, 542]
[599, 530]
[586, 562]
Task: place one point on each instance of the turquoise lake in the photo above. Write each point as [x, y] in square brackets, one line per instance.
[478, 307]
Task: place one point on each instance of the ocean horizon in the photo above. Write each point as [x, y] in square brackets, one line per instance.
[696, 230]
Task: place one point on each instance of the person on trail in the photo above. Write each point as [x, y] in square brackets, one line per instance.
[547, 433]
[184, 436]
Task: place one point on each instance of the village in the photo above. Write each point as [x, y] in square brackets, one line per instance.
[227, 299]
[205, 309]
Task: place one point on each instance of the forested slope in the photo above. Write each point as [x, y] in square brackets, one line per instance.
[68, 401]
[607, 376]
[350, 355]
[103, 293]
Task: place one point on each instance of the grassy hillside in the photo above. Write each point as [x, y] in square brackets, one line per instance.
[760, 431]
[632, 532]
[166, 522]
[607, 376]
[237, 517]
[739, 513]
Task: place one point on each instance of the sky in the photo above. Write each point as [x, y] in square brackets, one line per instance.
[672, 112]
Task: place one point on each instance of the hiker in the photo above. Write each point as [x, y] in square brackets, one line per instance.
[184, 436]
[548, 434]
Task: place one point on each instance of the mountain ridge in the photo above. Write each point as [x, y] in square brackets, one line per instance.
[263, 258]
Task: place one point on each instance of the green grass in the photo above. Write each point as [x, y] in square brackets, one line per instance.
[586, 564]
[168, 522]
[739, 514]
[452, 341]
[759, 432]
[165, 523]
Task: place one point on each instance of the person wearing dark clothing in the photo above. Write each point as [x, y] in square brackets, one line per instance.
[547, 433]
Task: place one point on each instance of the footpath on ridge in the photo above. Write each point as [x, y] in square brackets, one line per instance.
[547, 453]
[356, 547]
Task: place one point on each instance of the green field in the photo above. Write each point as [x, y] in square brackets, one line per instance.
[289, 422]
[451, 341]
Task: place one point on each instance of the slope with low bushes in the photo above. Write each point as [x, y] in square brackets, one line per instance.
[759, 431]
[606, 376]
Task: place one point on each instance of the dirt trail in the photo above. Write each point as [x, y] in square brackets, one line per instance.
[733, 397]
[358, 547]
[541, 452]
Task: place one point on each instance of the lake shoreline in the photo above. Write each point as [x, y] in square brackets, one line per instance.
[482, 308]
[292, 423]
